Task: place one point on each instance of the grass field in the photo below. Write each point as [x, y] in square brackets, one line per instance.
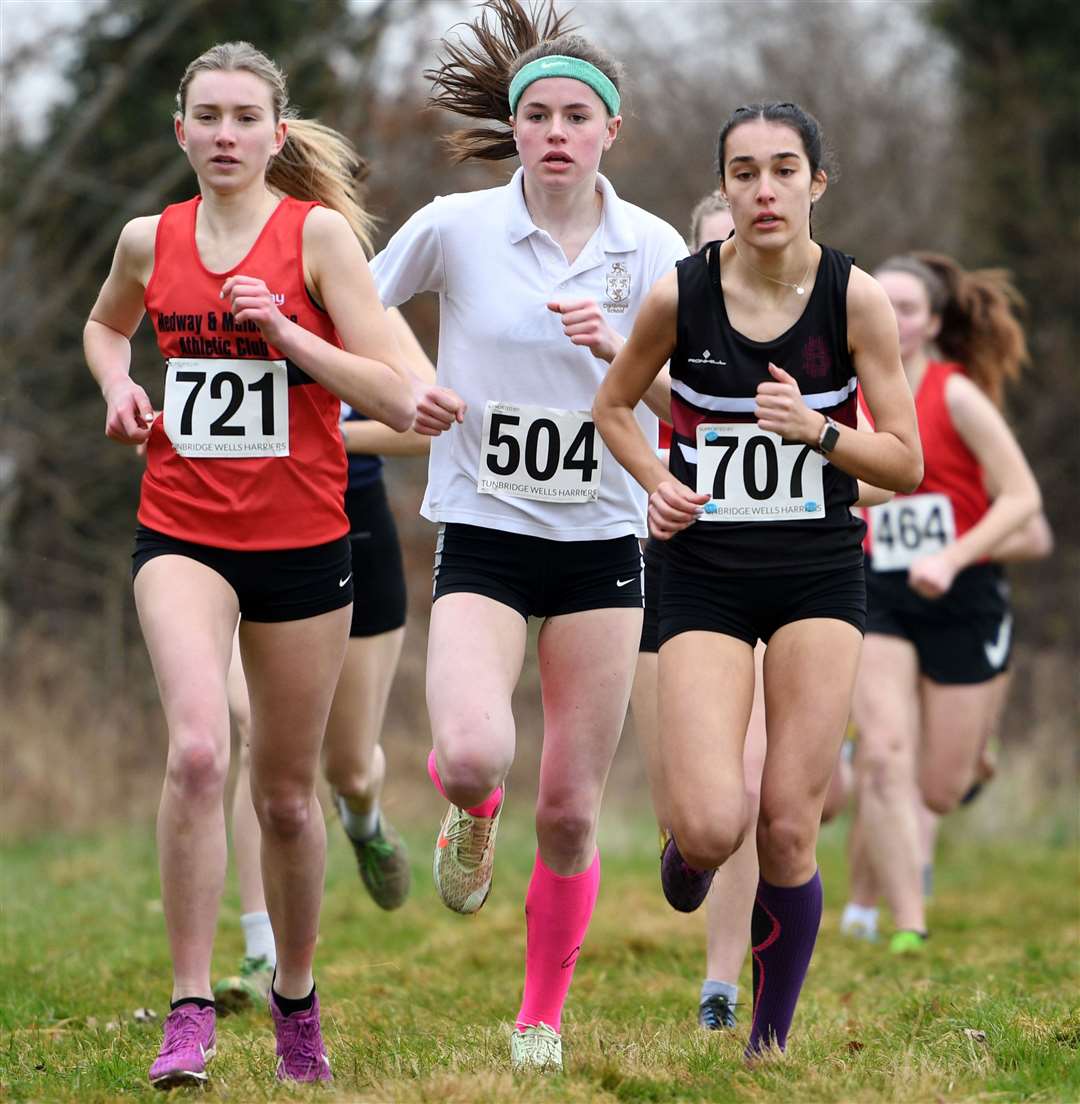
[417, 1002]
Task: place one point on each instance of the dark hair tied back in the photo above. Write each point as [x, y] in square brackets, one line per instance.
[473, 78]
[790, 114]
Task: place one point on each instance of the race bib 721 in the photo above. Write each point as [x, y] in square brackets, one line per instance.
[227, 408]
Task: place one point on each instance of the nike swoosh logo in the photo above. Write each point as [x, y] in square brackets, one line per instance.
[624, 582]
[342, 582]
[997, 650]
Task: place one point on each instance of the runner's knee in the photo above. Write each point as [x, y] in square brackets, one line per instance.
[197, 770]
[284, 814]
[709, 838]
[785, 841]
[564, 826]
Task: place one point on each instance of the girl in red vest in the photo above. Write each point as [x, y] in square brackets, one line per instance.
[266, 316]
[939, 630]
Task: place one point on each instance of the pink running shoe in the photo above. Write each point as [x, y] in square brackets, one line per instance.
[190, 1038]
[300, 1050]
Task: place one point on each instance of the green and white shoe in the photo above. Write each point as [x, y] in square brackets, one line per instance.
[465, 858]
[536, 1048]
[907, 942]
[383, 862]
[248, 989]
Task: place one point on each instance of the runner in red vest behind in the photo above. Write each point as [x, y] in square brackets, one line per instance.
[939, 628]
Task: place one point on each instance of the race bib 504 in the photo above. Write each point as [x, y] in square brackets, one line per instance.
[539, 452]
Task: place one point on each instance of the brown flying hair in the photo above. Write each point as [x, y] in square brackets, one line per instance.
[473, 78]
[978, 311]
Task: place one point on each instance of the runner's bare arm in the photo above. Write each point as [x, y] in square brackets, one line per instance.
[891, 456]
[113, 319]
[672, 505]
[376, 439]
[1018, 501]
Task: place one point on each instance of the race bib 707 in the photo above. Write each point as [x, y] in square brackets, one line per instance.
[751, 474]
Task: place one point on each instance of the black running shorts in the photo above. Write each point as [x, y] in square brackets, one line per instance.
[286, 584]
[537, 576]
[962, 638]
[753, 607]
[650, 625]
[380, 601]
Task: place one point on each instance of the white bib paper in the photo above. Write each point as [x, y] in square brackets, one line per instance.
[228, 409]
[751, 474]
[906, 529]
[539, 452]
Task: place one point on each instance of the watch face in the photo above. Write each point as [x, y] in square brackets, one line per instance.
[829, 438]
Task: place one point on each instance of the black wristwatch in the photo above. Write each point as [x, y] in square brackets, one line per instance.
[830, 434]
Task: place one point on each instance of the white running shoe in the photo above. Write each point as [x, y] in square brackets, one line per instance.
[859, 923]
[465, 858]
[536, 1048]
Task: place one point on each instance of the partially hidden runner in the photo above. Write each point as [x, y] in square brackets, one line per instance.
[353, 760]
[940, 630]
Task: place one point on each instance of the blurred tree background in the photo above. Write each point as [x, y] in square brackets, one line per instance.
[956, 124]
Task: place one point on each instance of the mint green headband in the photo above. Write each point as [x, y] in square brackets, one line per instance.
[559, 65]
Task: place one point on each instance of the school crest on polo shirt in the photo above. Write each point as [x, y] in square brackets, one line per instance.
[617, 286]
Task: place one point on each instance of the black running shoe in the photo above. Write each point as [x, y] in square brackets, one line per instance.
[684, 887]
[716, 1013]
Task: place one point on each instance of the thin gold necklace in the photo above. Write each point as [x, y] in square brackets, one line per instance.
[799, 288]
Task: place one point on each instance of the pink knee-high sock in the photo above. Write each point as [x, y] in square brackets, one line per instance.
[557, 914]
[486, 808]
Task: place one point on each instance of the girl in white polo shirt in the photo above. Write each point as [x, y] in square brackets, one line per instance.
[538, 282]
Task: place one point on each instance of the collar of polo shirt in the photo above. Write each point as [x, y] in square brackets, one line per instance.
[616, 227]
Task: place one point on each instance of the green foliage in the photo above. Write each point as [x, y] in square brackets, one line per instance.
[417, 1002]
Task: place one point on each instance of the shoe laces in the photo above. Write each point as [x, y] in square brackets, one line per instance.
[469, 836]
[182, 1029]
[717, 1011]
[540, 1042]
[374, 853]
[301, 1040]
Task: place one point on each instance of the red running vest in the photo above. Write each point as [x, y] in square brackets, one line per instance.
[949, 468]
[250, 503]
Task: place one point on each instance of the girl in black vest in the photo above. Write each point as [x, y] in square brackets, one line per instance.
[768, 335]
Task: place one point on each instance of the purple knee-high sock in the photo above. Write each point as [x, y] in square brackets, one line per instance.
[783, 931]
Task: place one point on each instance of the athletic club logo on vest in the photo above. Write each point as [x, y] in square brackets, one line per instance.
[278, 297]
[617, 286]
[816, 360]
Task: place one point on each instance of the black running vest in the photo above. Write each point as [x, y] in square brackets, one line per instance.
[715, 372]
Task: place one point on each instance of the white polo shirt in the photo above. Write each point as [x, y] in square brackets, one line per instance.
[523, 459]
